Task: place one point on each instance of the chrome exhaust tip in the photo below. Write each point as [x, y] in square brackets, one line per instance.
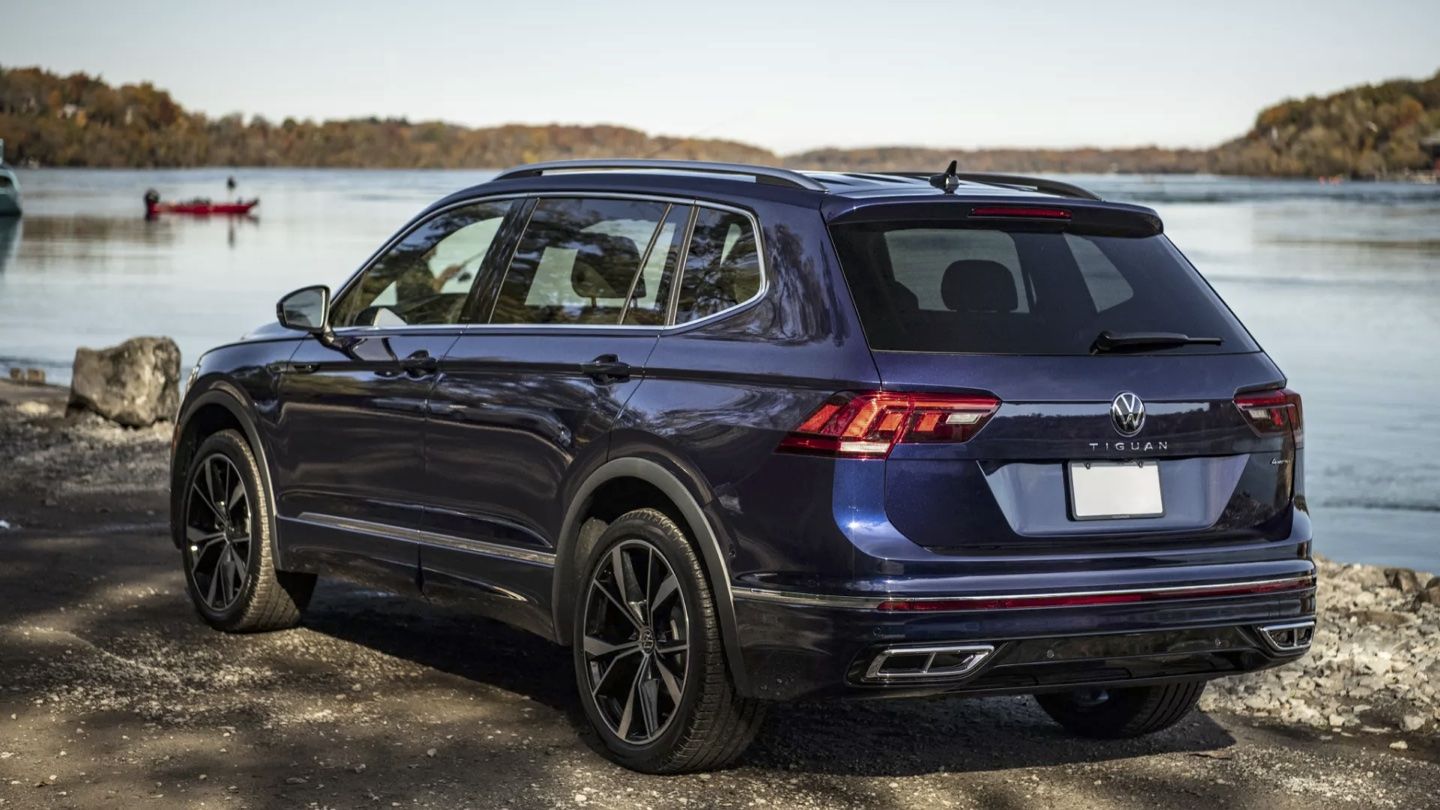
[946, 662]
[1288, 638]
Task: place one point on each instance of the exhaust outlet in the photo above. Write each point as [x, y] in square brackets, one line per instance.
[932, 663]
[1288, 638]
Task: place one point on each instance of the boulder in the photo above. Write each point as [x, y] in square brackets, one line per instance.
[135, 384]
[1403, 580]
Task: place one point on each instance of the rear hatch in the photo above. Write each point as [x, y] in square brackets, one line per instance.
[1058, 378]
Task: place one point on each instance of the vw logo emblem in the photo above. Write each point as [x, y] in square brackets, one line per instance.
[1128, 413]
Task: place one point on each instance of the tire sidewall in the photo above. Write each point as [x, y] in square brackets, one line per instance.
[686, 565]
[228, 444]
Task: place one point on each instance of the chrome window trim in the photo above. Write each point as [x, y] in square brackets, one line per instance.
[846, 602]
[428, 538]
[538, 328]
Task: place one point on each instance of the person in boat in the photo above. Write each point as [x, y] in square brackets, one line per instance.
[230, 186]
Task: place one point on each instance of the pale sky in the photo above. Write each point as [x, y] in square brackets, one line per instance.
[784, 75]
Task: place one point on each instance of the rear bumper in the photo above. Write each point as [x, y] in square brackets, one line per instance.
[798, 645]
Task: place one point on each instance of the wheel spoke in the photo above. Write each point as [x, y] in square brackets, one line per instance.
[620, 606]
[671, 684]
[649, 704]
[214, 581]
[667, 588]
[628, 713]
[599, 648]
[205, 499]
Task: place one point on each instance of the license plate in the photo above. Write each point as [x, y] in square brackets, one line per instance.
[1115, 489]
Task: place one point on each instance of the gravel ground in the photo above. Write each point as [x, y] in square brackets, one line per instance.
[112, 691]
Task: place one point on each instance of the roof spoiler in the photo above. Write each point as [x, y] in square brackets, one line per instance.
[1017, 181]
[1078, 216]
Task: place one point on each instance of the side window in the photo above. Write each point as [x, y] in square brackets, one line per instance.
[947, 268]
[648, 309]
[1107, 285]
[426, 278]
[579, 262]
[722, 268]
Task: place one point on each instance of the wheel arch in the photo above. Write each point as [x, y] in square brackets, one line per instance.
[645, 483]
[222, 406]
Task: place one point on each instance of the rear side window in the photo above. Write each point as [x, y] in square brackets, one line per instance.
[722, 267]
[579, 261]
[937, 288]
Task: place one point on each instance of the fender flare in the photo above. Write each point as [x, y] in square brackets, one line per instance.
[711, 554]
[232, 399]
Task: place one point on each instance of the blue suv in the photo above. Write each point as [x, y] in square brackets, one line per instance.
[738, 434]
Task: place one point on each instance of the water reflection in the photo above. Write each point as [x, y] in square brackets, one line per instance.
[10, 230]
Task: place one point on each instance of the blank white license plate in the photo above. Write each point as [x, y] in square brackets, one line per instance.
[1115, 489]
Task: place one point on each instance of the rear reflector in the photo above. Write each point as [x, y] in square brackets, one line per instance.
[869, 424]
[1018, 212]
[1272, 412]
[1097, 598]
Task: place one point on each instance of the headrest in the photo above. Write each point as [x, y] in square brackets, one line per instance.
[604, 266]
[978, 285]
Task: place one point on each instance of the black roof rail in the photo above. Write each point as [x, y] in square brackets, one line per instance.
[761, 174]
[1040, 184]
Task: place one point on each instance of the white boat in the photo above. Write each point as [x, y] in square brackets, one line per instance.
[9, 188]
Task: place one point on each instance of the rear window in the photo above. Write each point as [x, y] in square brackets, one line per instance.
[965, 290]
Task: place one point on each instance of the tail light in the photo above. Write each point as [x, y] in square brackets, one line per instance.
[868, 425]
[1273, 412]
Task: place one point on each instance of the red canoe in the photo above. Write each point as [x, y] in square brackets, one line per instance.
[200, 207]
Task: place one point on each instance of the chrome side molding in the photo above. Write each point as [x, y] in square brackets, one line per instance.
[944, 662]
[1288, 638]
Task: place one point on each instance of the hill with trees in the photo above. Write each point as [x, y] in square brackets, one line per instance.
[78, 120]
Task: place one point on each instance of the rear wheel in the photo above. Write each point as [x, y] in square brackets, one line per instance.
[227, 550]
[1125, 712]
[648, 657]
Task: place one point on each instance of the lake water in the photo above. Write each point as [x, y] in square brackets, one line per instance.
[1340, 283]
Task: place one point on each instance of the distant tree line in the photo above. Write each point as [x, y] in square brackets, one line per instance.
[79, 120]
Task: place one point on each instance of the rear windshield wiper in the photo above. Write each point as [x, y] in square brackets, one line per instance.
[1125, 341]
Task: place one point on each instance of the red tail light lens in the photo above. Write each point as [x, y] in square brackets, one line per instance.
[868, 425]
[1272, 412]
[1019, 212]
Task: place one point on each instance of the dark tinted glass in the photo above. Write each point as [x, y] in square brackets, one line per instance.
[722, 268]
[648, 306]
[427, 277]
[578, 261]
[993, 291]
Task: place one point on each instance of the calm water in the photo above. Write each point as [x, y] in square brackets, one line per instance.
[1341, 284]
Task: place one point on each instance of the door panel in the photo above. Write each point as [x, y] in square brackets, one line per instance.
[351, 432]
[509, 418]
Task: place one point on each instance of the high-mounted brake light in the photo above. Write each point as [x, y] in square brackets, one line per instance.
[1272, 412]
[1019, 212]
[870, 424]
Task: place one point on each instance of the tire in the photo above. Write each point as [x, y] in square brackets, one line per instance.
[227, 549]
[1120, 713]
[628, 679]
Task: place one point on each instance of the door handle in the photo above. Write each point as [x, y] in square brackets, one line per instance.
[293, 368]
[420, 364]
[605, 369]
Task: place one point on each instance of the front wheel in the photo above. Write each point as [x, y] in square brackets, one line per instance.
[226, 547]
[1125, 712]
[648, 657]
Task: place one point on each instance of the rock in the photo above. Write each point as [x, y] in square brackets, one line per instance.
[31, 408]
[1384, 618]
[1412, 722]
[135, 384]
[1403, 580]
[1399, 745]
[1429, 596]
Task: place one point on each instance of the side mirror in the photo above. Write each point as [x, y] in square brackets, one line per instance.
[307, 309]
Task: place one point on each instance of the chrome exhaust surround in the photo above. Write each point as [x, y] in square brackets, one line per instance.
[945, 662]
[1288, 638]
